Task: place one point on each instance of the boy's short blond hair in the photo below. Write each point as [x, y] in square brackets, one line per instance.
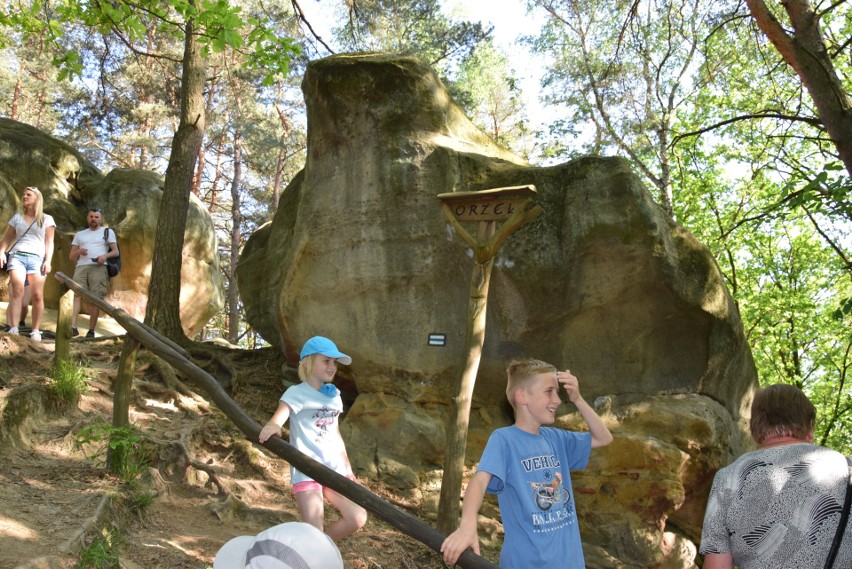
[521, 373]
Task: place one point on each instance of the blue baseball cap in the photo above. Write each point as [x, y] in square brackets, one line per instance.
[324, 346]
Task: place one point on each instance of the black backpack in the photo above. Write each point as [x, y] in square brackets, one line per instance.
[113, 264]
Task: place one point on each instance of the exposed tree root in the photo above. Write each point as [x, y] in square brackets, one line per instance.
[173, 388]
[176, 459]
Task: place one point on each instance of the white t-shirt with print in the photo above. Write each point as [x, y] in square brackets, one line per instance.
[314, 429]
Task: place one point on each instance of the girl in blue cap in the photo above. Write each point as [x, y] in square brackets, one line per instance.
[315, 406]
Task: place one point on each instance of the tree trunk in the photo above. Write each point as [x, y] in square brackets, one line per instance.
[806, 53]
[276, 183]
[282, 153]
[16, 97]
[236, 222]
[163, 312]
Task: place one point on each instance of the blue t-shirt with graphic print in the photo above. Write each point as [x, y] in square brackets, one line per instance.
[531, 478]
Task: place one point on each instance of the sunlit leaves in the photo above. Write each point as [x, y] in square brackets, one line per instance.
[487, 88]
[789, 284]
[414, 27]
[827, 191]
[69, 64]
[619, 73]
[270, 53]
[220, 25]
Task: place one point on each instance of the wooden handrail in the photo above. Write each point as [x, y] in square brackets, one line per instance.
[179, 359]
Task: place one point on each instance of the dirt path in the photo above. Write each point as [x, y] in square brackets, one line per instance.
[42, 495]
[50, 492]
[106, 326]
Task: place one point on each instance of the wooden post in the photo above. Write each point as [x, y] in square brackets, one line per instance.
[124, 382]
[121, 397]
[459, 417]
[514, 206]
[62, 350]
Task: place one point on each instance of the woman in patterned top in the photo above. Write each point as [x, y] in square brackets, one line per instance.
[778, 507]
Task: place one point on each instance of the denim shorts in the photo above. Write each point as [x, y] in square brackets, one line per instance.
[31, 264]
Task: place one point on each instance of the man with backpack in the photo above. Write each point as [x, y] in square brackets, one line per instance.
[90, 248]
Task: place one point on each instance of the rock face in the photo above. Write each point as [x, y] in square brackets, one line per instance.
[130, 200]
[603, 284]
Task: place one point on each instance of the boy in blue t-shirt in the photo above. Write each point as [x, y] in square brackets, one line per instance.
[528, 467]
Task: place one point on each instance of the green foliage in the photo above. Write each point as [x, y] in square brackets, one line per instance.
[139, 499]
[412, 27]
[67, 381]
[488, 86]
[844, 309]
[28, 79]
[698, 103]
[787, 281]
[827, 191]
[102, 553]
[619, 76]
[759, 109]
[270, 52]
[220, 26]
[121, 448]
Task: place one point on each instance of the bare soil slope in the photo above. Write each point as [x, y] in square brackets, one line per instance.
[209, 483]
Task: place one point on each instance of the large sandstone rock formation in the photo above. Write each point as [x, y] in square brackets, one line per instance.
[603, 283]
[130, 200]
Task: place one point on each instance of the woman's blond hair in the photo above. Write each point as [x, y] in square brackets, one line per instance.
[521, 373]
[39, 205]
[781, 411]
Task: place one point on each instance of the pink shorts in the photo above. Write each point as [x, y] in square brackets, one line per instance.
[309, 485]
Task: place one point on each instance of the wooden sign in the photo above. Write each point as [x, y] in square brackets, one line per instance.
[498, 204]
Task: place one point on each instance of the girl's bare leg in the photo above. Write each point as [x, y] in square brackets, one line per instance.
[311, 507]
[352, 516]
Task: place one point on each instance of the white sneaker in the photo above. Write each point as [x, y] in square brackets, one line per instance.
[13, 330]
[35, 335]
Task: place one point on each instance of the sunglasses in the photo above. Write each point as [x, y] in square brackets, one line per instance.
[95, 209]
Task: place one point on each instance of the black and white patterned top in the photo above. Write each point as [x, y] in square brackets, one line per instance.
[778, 508]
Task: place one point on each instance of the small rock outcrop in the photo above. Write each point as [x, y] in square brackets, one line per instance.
[130, 200]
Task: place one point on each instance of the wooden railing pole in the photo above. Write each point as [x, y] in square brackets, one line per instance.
[62, 350]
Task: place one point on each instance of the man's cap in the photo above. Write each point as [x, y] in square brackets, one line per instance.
[294, 545]
[324, 346]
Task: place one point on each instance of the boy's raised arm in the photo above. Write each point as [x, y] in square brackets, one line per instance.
[599, 431]
[467, 536]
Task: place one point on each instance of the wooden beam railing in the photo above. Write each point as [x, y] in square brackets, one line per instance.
[179, 359]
